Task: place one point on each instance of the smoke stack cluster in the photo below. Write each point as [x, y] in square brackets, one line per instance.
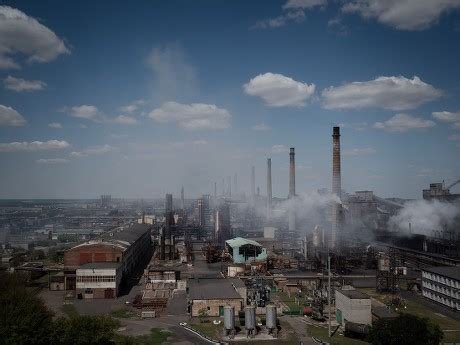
[291, 211]
[269, 188]
[336, 188]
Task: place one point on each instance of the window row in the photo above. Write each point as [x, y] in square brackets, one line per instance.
[95, 279]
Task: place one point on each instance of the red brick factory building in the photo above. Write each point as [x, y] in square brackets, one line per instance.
[97, 268]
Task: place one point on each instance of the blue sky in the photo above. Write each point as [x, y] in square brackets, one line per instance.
[137, 99]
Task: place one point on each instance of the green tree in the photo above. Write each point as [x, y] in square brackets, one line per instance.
[24, 318]
[82, 329]
[405, 329]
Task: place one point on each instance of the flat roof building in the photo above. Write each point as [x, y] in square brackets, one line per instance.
[442, 285]
[352, 306]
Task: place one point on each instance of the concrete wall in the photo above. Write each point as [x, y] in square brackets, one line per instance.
[353, 310]
[212, 306]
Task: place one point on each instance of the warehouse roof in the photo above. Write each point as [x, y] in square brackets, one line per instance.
[211, 288]
[353, 294]
[450, 272]
[130, 234]
[239, 241]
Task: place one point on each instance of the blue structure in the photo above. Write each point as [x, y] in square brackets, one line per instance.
[245, 251]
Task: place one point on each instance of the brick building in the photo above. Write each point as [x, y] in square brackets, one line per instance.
[115, 257]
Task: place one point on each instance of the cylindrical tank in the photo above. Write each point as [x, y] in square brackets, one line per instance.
[271, 316]
[317, 236]
[229, 318]
[250, 318]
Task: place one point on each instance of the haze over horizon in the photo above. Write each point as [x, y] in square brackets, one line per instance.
[138, 101]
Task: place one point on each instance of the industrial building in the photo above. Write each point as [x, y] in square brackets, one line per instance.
[209, 296]
[244, 251]
[122, 251]
[442, 285]
[352, 306]
[98, 280]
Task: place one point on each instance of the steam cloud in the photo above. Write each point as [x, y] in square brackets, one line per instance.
[424, 217]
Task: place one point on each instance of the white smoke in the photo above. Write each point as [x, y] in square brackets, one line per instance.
[424, 217]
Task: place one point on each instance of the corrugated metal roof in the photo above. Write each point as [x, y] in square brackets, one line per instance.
[446, 271]
[239, 241]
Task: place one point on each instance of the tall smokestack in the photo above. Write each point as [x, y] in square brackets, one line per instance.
[235, 184]
[291, 172]
[269, 188]
[253, 184]
[215, 190]
[182, 198]
[291, 211]
[336, 188]
[229, 179]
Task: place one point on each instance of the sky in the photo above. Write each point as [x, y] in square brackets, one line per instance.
[136, 99]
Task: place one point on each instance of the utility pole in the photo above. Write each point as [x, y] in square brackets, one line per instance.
[329, 291]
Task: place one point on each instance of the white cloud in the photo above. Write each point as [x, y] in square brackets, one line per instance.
[93, 151]
[359, 151]
[55, 125]
[18, 84]
[304, 3]
[261, 127]
[296, 16]
[21, 34]
[193, 116]
[357, 126]
[403, 123]
[131, 108]
[454, 137]
[280, 148]
[34, 146]
[278, 90]
[447, 116]
[125, 120]
[402, 14]
[52, 161]
[394, 93]
[88, 112]
[10, 117]
[174, 76]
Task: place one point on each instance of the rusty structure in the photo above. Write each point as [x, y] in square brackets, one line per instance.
[336, 189]
[269, 189]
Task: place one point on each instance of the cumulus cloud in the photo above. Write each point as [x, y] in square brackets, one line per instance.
[280, 148]
[52, 161]
[125, 120]
[93, 151]
[19, 85]
[402, 14]
[403, 123]
[173, 75]
[193, 116]
[24, 35]
[424, 216]
[394, 93]
[261, 127]
[87, 112]
[359, 151]
[278, 90]
[449, 117]
[10, 117]
[55, 125]
[32, 146]
[357, 126]
[132, 107]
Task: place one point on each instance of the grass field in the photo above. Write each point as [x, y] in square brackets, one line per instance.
[321, 333]
[124, 313]
[450, 326]
[157, 336]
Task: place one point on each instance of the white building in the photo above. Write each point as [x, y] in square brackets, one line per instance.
[352, 306]
[98, 280]
[442, 285]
